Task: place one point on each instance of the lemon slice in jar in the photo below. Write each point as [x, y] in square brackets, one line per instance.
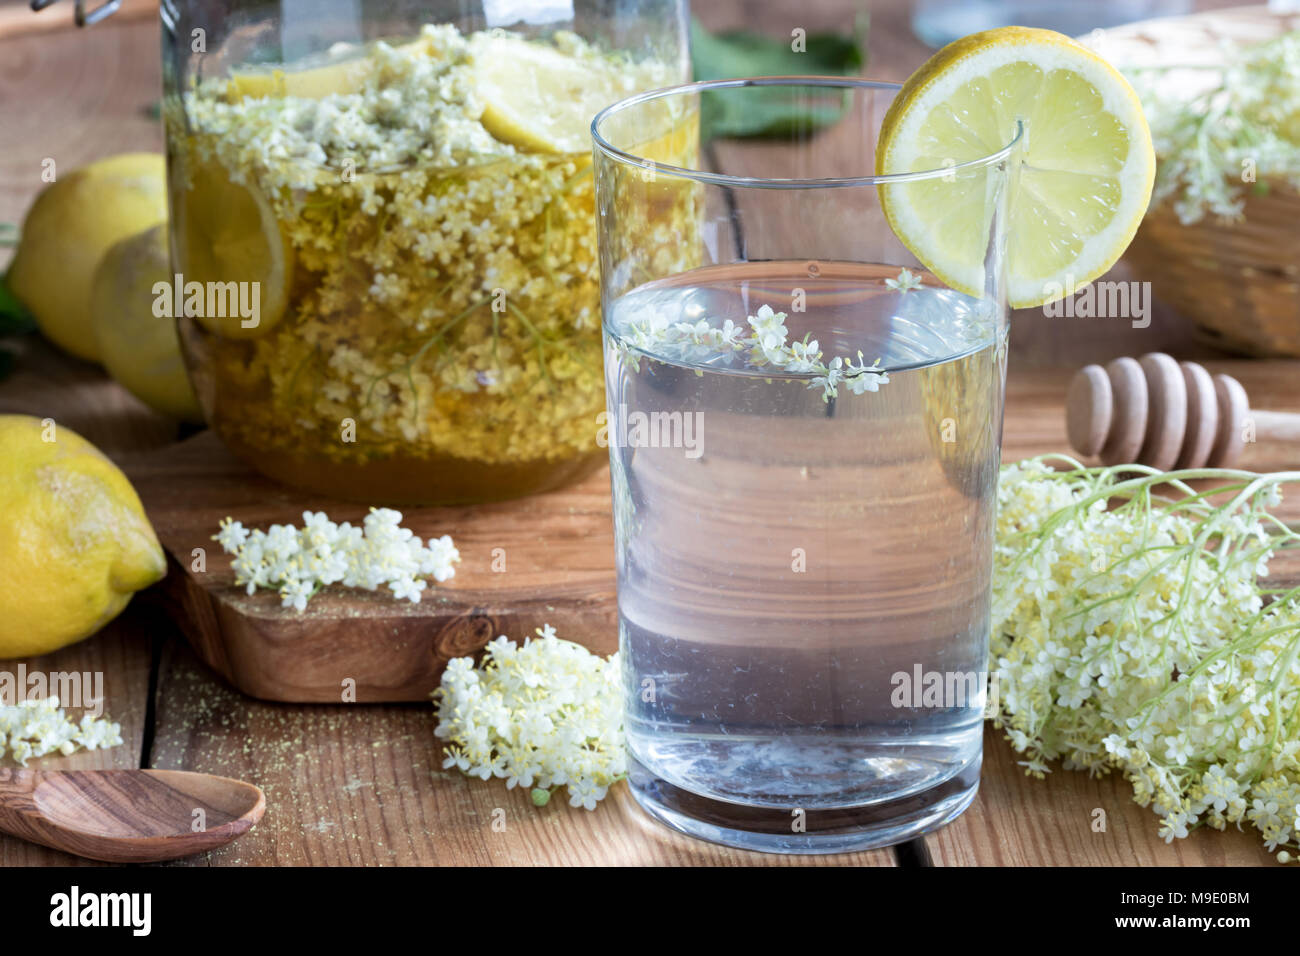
[227, 233]
[312, 84]
[537, 98]
[1086, 161]
[344, 71]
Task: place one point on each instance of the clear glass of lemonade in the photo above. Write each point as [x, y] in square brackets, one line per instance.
[804, 429]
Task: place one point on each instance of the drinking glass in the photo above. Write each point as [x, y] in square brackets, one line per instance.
[803, 426]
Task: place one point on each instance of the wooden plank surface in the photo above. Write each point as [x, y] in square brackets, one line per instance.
[1019, 821]
[363, 785]
[74, 96]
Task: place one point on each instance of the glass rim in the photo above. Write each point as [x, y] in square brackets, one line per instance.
[760, 182]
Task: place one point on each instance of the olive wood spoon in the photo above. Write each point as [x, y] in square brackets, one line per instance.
[127, 816]
[1166, 414]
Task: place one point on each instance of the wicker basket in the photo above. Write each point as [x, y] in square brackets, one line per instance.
[1239, 282]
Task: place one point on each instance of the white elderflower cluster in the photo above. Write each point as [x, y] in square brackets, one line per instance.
[298, 562]
[34, 728]
[411, 103]
[763, 345]
[1137, 636]
[545, 715]
[1210, 135]
[906, 281]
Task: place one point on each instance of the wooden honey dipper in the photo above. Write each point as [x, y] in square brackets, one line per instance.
[1163, 413]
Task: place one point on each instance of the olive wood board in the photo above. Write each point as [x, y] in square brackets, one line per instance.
[547, 559]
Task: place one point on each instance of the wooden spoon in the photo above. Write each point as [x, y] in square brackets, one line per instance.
[127, 816]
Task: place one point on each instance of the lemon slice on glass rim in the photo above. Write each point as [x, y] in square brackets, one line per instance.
[1086, 163]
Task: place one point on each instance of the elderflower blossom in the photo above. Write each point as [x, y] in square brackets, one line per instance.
[34, 728]
[1237, 119]
[765, 346]
[907, 281]
[298, 562]
[1139, 638]
[544, 715]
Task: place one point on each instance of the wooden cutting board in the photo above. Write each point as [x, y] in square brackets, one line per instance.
[544, 559]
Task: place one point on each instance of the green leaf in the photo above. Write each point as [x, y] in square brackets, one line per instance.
[7, 362]
[15, 319]
[777, 111]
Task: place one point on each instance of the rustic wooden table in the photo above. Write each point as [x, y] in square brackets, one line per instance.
[363, 784]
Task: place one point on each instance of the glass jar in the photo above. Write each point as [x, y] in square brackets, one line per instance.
[383, 233]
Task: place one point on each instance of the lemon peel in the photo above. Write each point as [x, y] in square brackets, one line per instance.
[66, 232]
[74, 540]
[139, 348]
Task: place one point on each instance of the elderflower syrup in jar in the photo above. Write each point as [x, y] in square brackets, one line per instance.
[804, 436]
[383, 234]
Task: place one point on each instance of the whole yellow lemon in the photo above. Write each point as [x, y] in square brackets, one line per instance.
[138, 348]
[68, 230]
[74, 541]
